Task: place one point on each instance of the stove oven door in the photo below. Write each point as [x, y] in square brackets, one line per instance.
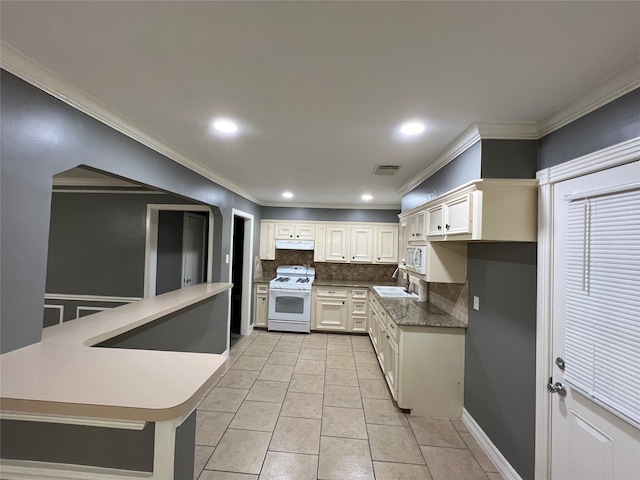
[290, 305]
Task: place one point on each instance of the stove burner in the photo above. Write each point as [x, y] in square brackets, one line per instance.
[303, 280]
[282, 279]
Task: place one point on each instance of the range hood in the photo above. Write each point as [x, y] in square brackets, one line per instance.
[295, 244]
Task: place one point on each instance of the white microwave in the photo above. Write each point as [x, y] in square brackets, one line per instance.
[416, 259]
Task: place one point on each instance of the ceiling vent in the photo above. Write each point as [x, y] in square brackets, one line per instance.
[386, 169]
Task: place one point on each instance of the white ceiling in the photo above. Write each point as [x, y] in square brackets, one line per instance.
[319, 88]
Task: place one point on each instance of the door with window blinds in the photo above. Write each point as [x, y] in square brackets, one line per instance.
[603, 299]
[596, 326]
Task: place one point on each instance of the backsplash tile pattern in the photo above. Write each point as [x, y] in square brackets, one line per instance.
[328, 271]
[453, 298]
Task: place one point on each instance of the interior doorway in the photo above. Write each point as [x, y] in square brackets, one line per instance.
[241, 274]
[179, 242]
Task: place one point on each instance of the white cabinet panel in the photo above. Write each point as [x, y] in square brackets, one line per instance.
[386, 242]
[267, 241]
[361, 244]
[336, 246]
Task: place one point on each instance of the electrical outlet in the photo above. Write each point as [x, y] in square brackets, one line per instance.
[476, 303]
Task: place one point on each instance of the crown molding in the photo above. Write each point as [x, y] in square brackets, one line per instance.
[15, 62]
[468, 138]
[341, 206]
[477, 131]
[507, 131]
[614, 86]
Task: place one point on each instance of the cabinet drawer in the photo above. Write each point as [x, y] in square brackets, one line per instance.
[358, 307]
[359, 324]
[359, 293]
[331, 292]
[262, 288]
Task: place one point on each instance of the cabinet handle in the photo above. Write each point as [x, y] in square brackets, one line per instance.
[297, 236]
[448, 226]
[439, 227]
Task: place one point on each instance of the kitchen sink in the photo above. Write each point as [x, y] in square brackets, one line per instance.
[395, 292]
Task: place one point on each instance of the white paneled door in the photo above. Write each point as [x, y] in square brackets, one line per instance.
[596, 326]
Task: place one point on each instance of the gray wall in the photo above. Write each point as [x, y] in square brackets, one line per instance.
[500, 348]
[330, 214]
[509, 158]
[42, 136]
[108, 447]
[611, 124]
[464, 168]
[97, 242]
[194, 329]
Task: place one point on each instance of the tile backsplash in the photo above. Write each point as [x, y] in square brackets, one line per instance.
[328, 271]
[453, 298]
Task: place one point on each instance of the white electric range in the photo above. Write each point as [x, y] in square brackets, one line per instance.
[290, 299]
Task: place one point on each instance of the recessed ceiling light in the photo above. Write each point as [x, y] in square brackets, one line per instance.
[366, 196]
[412, 128]
[225, 126]
[287, 195]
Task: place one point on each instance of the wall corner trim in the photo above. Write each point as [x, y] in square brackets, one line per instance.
[27, 69]
[504, 467]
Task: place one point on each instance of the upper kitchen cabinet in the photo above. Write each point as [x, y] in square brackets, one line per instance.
[415, 227]
[343, 242]
[386, 244]
[449, 218]
[336, 245]
[361, 244]
[489, 209]
[267, 241]
[297, 231]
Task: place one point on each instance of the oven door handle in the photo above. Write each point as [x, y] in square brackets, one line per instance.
[282, 290]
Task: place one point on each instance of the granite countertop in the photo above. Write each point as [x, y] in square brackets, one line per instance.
[406, 312]
[263, 279]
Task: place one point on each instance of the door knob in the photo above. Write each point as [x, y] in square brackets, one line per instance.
[556, 388]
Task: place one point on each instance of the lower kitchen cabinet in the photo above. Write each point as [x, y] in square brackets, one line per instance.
[423, 366]
[261, 305]
[330, 310]
[340, 309]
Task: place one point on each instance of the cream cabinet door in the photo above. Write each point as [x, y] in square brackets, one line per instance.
[285, 231]
[305, 232]
[458, 215]
[435, 221]
[267, 241]
[417, 227]
[391, 365]
[261, 306]
[336, 245]
[361, 244]
[386, 242]
[331, 314]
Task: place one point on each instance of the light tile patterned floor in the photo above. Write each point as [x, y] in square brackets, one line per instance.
[298, 407]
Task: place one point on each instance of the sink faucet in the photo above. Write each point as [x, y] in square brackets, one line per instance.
[395, 273]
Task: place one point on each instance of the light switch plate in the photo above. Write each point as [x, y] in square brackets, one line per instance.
[476, 303]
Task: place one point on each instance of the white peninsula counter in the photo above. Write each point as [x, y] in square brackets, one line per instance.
[67, 379]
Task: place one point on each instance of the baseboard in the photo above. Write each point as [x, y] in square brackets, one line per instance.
[504, 467]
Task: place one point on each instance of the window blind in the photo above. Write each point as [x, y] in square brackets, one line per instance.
[602, 318]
